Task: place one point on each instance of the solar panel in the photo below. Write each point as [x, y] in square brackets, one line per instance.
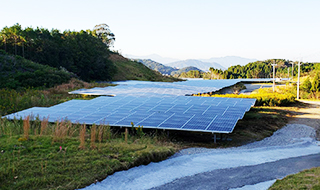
[174, 112]
[137, 88]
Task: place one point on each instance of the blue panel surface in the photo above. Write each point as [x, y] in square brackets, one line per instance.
[145, 107]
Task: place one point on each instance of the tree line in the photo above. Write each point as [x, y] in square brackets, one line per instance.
[258, 69]
[83, 53]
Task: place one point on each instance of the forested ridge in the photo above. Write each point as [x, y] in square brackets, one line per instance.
[85, 54]
[82, 53]
[258, 69]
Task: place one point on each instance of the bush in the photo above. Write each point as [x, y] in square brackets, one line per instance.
[263, 97]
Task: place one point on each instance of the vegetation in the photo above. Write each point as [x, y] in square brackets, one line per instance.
[85, 54]
[17, 72]
[82, 53]
[40, 155]
[258, 69]
[187, 72]
[310, 86]
[133, 70]
[307, 179]
[261, 69]
[16, 100]
[283, 96]
[163, 69]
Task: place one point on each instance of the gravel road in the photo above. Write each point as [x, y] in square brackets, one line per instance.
[253, 166]
[286, 152]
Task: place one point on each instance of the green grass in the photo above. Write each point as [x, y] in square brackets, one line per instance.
[282, 96]
[133, 70]
[307, 179]
[16, 100]
[54, 159]
[17, 72]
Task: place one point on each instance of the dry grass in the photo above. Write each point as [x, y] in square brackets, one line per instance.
[72, 84]
[93, 136]
[26, 127]
[44, 125]
[60, 131]
[82, 136]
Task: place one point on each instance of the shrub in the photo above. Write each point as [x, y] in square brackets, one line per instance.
[263, 98]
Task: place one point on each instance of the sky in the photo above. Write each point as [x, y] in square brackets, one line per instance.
[185, 29]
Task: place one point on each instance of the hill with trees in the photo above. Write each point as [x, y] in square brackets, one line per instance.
[195, 63]
[167, 70]
[17, 72]
[188, 72]
[260, 69]
[86, 54]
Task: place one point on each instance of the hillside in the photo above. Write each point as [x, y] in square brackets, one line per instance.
[185, 70]
[133, 70]
[84, 53]
[195, 63]
[155, 57]
[167, 70]
[17, 72]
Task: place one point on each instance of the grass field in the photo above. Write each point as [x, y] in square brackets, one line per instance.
[307, 179]
[42, 155]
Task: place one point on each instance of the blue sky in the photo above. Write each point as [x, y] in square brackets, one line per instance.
[185, 29]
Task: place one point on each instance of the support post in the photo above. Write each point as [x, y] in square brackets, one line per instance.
[214, 138]
[298, 83]
[274, 71]
[126, 135]
[292, 70]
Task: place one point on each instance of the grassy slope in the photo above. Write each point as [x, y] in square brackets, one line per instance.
[17, 72]
[40, 163]
[132, 70]
[307, 179]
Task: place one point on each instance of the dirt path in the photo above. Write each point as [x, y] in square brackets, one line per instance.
[309, 115]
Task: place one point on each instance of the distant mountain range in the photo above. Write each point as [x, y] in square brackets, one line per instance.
[185, 69]
[165, 69]
[157, 66]
[228, 61]
[203, 64]
[155, 57]
[196, 63]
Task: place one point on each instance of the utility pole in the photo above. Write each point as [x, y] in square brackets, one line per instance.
[298, 83]
[274, 71]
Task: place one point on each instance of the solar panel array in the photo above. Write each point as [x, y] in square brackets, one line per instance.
[187, 113]
[183, 88]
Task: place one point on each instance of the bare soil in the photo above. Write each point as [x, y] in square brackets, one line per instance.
[308, 114]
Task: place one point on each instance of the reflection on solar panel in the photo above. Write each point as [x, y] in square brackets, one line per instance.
[165, 88]
[206, 114]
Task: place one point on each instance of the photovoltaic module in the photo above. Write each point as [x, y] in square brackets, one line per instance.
[188, 113]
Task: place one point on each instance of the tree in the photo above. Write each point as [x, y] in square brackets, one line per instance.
[103, 32]
[5, 35]
[15, 32]
[306, 85]
[316, 83]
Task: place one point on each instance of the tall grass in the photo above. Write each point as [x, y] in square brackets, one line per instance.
[53, 158]
[44, 126]
[93, 136]
[16, 100]
[26, 127]
[82, 136]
